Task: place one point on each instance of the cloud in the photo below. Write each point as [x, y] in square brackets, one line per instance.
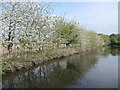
[100, 17]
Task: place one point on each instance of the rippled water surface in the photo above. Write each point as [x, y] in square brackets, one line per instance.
[93, 69]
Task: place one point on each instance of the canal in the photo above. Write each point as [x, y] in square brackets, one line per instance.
[93, 69]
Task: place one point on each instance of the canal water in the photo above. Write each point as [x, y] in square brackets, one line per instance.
[92, 69]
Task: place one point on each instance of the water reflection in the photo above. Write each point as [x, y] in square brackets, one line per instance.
[58, 74]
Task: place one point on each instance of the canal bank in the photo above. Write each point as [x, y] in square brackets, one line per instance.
[93, 69]
[20, 62]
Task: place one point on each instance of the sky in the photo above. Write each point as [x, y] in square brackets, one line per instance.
[101, 17]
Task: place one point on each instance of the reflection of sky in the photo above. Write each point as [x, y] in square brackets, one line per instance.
[104, 74]
[99, 17]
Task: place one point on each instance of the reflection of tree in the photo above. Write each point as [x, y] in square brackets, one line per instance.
[104, 51]
[115, 51]
[59, 74]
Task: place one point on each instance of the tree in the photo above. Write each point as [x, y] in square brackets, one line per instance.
[66, 32]
[115, 39]
[69, 32]
[10, 20]
[105, 38]
[24, 24]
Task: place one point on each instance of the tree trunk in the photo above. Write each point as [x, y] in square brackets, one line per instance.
[9, 47]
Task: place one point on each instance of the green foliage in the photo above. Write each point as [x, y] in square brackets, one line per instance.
[70, 33]
[66, 30]
[115, 39]
[105, 38]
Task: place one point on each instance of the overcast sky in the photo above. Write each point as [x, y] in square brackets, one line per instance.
[101, 17]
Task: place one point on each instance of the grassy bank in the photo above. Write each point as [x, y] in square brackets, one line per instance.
[26, 60]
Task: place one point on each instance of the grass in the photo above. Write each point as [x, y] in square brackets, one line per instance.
[20, 60]
[23, 60]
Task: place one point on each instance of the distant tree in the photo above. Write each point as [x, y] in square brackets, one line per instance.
[105, 38]
[115, 39]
